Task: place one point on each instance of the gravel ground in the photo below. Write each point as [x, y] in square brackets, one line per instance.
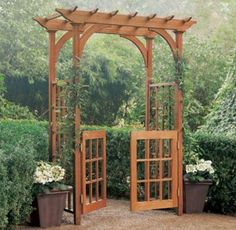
[116, 216]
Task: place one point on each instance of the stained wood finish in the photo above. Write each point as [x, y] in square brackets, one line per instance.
[79, 16]
[52, 96]
[81, 25]
[179, 123]
[159, 195]
[77, 151]
[93, 176]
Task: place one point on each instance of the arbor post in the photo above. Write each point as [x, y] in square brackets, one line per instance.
[76, 132]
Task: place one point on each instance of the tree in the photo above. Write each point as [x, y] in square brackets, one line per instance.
[222, 117]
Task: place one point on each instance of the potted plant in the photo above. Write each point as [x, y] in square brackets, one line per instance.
[197, 179]
[49, 195]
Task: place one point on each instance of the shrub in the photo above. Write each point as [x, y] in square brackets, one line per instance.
[25, 131]
[21, 144]
[9, 110]
[118, 162]
[19, 165]
[4, 187]
[221, 150]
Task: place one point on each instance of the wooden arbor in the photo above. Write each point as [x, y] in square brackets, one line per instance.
[80, 26]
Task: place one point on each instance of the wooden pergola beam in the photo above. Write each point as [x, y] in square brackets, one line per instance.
[64, 25]
[79, 17]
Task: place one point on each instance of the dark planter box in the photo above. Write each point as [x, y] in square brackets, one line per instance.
[49, 209]
[195, 196]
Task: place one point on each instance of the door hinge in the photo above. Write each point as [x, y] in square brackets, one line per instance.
[178, 192]
[81, 198]
[178, 145]
[81, 148]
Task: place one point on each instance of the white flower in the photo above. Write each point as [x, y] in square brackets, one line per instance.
[190, 168]
[208, 163]
[46, 173]
[201, 161]
[211, 171]
[201, 167]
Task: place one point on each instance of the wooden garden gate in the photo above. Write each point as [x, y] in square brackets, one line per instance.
[154, 170]
[156, 154]
[93, 170]
[160, 182]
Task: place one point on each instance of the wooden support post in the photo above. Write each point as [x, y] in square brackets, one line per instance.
[147, 116]
[179, 120]
[52, 96]
[77, 150]
[148, 81]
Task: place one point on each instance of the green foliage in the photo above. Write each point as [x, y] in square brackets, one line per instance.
[4, 187]
[112, 68]
[21, 144]
[118, 162]
[23, 49]
[221, 150]
[20, 166]
[222, 118]
[2, 85]
[24, 131]
[9, 110]
[204, 71]
[111, 85]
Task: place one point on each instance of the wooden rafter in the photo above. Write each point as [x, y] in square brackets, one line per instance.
[113, 18]
[64, 25]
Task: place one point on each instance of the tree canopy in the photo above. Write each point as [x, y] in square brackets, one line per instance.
[222, 118]
[112, 67]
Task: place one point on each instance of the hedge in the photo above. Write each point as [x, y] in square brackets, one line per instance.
[22, 143]
[221, 150]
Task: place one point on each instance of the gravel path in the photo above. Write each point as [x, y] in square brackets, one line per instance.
[116, 216]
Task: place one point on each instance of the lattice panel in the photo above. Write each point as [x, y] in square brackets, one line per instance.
[94, 170]
[61, 137]
[162, 106]
[153, 169]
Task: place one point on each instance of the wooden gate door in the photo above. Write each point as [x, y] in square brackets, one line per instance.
[93, 170]
[153, 170]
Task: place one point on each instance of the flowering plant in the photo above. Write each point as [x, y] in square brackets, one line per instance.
[199, 169]
[48, 177]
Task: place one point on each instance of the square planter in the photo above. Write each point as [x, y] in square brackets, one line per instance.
[195, 196]
[49, 209]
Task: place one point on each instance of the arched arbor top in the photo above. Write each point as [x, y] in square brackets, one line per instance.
[115, 23]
